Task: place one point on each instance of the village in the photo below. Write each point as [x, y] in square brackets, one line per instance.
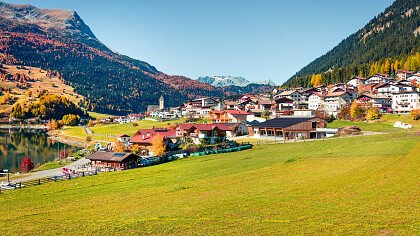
[283, 114]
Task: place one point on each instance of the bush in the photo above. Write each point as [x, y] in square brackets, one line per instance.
[415, 114]
[373, 114]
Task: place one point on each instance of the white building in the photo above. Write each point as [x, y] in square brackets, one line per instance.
[333, 102]
[378, 78]
[388, 89]
[294, 95]
[314, 101]
[405, 102]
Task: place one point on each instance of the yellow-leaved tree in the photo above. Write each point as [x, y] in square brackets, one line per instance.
[119, 147]
[356, 111]
[372, 114]
[158, 145]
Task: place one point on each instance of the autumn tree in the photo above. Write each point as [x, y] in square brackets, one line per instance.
[90, 123]
[70, 120]
[29, 93]
[119, 147]
[415, 114]
[136, 149]
[54, 125]
[27, 164]
[158, 145]
[356, 111]
[372, 114]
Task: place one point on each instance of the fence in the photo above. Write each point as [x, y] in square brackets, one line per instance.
[36, 182]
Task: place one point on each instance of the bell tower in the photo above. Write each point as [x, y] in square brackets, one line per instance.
[161, 103]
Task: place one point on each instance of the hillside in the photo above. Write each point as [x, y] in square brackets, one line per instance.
[335, 189]
[112, 83]
[17, 81]
[392, 34]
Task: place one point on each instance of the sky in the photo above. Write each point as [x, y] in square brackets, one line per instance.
[255, 39]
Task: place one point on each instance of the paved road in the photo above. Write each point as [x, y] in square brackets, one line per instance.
[52, 172]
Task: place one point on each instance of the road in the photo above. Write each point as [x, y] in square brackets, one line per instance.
[51, 172]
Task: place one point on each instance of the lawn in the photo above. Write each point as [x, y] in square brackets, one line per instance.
[52, 165]
[385, 124]
[362, 185]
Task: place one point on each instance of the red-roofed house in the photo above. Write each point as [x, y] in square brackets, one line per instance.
[229, 116]
[144, 137]
[196, 132]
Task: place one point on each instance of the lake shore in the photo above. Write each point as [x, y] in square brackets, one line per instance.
[72, 141]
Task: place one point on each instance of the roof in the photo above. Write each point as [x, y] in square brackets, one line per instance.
[231, 103]
[204, 127]
[289, 92]
[123, 136]
[265, 101]
[164, 133]
[236, 112]
[284, 122]
[336, 94]
[110, 156]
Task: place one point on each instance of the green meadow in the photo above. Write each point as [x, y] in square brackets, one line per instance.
[364, 185]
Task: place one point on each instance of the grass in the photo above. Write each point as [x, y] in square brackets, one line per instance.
[362, 185]
[96, 115]
[385, 124]
[52, 165]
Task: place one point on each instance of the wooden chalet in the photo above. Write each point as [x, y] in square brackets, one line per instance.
[114, 160]
[290, 127]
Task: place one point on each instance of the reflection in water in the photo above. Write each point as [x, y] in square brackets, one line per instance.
[16, 145]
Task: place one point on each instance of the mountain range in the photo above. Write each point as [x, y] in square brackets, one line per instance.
[225, 81]
[59, 40]
[392, 35]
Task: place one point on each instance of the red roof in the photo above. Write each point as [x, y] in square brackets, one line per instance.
[204, 127]
[236, 112]
[164, 133]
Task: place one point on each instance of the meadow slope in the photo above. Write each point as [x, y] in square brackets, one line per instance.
[362, 185]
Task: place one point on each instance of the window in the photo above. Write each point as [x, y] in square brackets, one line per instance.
[313, 125]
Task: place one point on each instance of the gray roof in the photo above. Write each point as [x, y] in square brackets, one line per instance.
[110, 156]
[283, 122]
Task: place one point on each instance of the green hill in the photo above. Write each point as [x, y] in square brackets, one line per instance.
[351, 186]
[392, 34]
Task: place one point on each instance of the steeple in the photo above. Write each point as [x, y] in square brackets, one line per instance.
[161, 103]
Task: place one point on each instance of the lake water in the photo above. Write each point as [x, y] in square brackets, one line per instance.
[15, 145]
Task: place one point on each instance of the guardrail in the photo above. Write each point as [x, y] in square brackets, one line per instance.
[23, 184]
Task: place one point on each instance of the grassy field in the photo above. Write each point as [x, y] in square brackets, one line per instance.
[52, 165]
[361, 185]
[385, 124]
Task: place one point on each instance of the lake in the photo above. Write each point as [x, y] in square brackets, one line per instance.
[16, 145]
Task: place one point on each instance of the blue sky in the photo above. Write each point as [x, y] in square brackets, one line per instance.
[259, 39]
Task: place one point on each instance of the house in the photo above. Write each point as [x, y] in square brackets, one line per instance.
[404, 102]
[290, 128]
[383, 103]
[355, 81]
[231, 105]
[294, 95]
[284, 104]
[333, 102]
[114, 160]
[404, 74]
[237, 129]
[135, 117]
[144, 137]
[315, 100]
[378, 78]
[229, 116]
[388, 89]
[414, 79]
[122, 119]
[123, 138]
[200, 107]
[214, 133]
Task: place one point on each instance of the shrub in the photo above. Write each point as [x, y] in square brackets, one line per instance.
[373, 114]
[415, 114]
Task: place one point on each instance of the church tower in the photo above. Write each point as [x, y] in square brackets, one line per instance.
[161, 103]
